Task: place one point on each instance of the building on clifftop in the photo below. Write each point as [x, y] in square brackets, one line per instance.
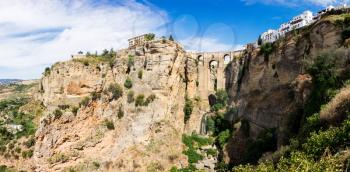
[139, 40]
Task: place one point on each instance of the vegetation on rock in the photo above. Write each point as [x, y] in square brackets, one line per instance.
[128, 83]
[116, 90]
[188, 108]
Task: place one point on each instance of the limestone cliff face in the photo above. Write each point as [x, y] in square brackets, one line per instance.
[269, 91]
[145, 137]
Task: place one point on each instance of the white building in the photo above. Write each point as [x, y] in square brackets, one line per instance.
[269, 36]
[138, 40]
[302, 20]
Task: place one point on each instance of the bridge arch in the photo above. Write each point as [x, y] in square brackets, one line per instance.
[213, 64]
[200, 60]
[213, 76]
[227, 59]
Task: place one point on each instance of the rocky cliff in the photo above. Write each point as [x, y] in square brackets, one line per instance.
[271, 90]
[143, 136]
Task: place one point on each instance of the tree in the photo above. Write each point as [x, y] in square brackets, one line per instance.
[171, 38]
[105, 52]
[266, 49]
[149, 37]
[259, 40]
[47, 71]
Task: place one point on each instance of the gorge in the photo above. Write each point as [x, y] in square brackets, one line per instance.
[156, 107]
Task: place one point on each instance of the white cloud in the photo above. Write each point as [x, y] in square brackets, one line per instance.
[38, 33]
[298, 2]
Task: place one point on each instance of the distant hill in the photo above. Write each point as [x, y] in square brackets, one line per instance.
[9, 81]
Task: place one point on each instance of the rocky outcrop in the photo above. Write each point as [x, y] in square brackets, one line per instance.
[144, 137]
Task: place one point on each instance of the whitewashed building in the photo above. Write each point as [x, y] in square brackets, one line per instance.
[269, 36]
[302, 20]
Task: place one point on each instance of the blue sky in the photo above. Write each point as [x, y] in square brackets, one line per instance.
[35, 34]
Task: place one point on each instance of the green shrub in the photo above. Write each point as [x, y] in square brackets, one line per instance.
[210, 125]
[109, 124]
[140, 74]
[96, 164]
[4, 168]
[84, 102]
[131, 61]
[195, 140]
[266, 49]
[63, 107]
[86, 63]
[128, 83]
[116, 90]
[57, 114]
[193, 156]
[150, 99]
[47, 71]
[59, 157]
[140, 99]
[221, 97]
[149, 37]
[266, 141]
[18, 150]
[75, 110]
[211, 152]
[323, 70]
[188, 108]
[95, 95]
[346, 33]
[216, 107]
[30, 142]
[171, 38]
[221, 100]
[120, 112]
[223, 137]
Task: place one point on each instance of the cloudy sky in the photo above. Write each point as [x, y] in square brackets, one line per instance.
[36, 33]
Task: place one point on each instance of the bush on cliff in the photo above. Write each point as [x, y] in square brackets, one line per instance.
[47, 71]
[221, 98]
[149, 99]
[140, 99]
[84, 102]
[323, 70]
[140, 74]
[149, 37]
[116, 90]
[188, 108]
[266, 141]
[109, 124]
[266, 49]
[57, 114]
[346, 33]
[128, 83]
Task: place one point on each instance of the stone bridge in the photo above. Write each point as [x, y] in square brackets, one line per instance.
[211, 70]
